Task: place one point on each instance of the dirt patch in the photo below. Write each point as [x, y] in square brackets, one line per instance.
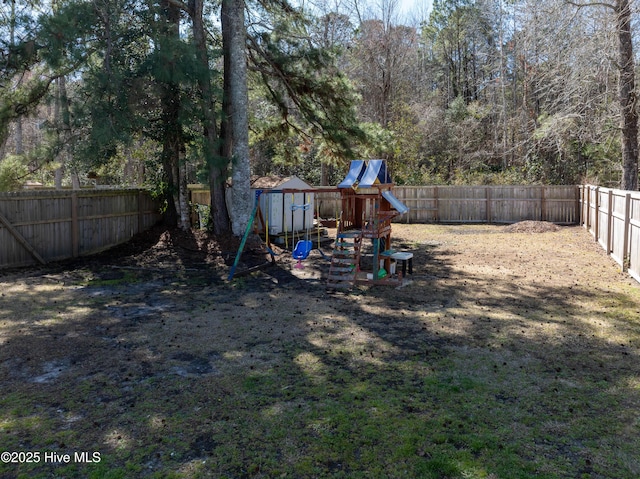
[531, 227]
[505, 354]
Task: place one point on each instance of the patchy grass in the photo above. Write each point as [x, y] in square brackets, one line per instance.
[510, 355]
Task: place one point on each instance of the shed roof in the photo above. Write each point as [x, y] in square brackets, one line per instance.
[271, 182]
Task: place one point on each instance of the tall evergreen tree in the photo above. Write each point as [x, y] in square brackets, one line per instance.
[20, 55]
[213, 148]
[312, 104]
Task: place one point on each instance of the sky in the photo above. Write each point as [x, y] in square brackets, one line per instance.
[409, 7]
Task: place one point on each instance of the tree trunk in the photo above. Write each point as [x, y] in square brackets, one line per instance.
[324, 180]
[63, 116]
[219, 216]
[170, 165]
[627, 97]
[172, 130]
[183, 193]
[19, 137]
[59, 172]
[19, 147]
[75, 181]
[234, 44]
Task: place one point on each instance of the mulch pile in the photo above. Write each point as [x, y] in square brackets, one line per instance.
[531, 227]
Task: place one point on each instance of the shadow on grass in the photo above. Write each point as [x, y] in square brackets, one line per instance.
[454, 375]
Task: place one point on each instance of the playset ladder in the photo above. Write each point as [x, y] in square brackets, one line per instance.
[345, 260]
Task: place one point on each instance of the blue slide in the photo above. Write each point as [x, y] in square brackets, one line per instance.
[399, 206]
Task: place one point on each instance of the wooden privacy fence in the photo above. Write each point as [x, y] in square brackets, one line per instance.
[613, 218]
[478, 204]
[42, 226]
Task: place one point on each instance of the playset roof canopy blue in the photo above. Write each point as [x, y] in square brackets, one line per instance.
[365, 174]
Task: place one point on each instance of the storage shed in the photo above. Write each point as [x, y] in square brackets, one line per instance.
[282, 208]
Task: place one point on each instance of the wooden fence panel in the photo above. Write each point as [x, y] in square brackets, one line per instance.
[511, 204]
[613, 218]
[422, 202]
[634, 236]
[491, 204]
[561, 204]
[475, 204]
[462, 204]
[589, 198]
[200, 195]
[105, 220]
[602, 218]
[593, 211]
[619, 231]
[65, 224]
[43, 219]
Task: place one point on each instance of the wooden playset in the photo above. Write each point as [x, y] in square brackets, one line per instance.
[368, 206]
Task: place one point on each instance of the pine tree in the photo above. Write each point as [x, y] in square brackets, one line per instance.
[312, 103]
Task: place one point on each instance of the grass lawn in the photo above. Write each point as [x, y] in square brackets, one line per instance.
[509, 355]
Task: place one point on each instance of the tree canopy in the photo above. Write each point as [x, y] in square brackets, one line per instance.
[474, 91]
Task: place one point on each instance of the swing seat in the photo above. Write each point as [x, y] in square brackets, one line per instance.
[302, 249]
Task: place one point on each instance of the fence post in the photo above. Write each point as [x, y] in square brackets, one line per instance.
[587, 215]
[582, 191]
[585, 212]
[487, 193]
[141, 211]
[609, 221]
[596, 226]
[626, 253]
[543, 205]
[75, 230]
[578, 205]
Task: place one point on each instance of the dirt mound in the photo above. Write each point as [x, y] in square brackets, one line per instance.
[531, 227]
[165, 245]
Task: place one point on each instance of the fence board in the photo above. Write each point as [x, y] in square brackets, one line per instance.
[634, 236]
[65, 224]
[479, 204]
[613, 219]
[20, 239]
[618, 241]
